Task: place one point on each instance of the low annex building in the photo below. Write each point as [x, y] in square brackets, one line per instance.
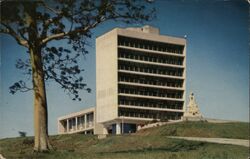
[140, 77]
[79, 122]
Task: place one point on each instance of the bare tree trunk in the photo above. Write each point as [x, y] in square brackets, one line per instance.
[40, 102]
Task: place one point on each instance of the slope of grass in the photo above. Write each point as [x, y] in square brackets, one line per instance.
[120, 147]
[150, 144]
[237, 130]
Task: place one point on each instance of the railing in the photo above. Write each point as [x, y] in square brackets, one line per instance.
[149, 105]
[80, 126]
[76, 123]
[149, 74]
[160, 85]
[144, 69]
[90, 124]
[151, 108]
[126, 77]
[149, 45]
[150, 97]
[155, 93]
[132, 113]
[167, 61]
[150, 71]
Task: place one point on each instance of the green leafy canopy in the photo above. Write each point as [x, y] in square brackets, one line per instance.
[35, 24]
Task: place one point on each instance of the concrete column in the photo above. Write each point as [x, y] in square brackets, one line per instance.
[60, 127]
[85, 121]
[105, 130]
[122, 125]
[118, 128]
[67, 126]
[76, 124]
[138, 127]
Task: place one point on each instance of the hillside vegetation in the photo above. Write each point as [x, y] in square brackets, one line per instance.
[147, 144]
[237, 130]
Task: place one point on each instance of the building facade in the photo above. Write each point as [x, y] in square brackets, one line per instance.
[79, 122]
[140, 77]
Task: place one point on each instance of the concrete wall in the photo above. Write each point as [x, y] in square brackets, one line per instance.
[106, 77]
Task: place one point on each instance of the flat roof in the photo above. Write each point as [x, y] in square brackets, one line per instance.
[79, 113]
[152, 36]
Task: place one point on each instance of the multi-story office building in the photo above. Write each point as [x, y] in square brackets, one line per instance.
[140, 76]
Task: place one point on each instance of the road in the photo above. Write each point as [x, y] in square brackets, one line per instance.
[239, 142]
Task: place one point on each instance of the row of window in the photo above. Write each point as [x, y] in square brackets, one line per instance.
[142, 103]
[150, 45]
[80, 122]
[153, 70]
[152, 101]
[147, 81]
[148, 92]
[149, 58]
[139, 113]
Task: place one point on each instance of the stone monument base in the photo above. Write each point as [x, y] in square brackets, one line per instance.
[192, 118]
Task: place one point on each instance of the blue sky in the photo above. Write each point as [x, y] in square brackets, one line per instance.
[217, 64]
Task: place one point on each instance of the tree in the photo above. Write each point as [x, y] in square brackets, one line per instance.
[36, 25]
[22, 133]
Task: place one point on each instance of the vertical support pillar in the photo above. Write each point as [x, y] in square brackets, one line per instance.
[138, 127]
[105, 130]
[76, 124]
[67, 126]
[118, 128]
[122, 130]
[85, 121]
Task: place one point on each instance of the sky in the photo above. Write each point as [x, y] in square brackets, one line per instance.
[217, 64]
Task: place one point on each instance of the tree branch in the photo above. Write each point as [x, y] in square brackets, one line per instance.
[11, 32]
[50, 20]
[51, 9]
[19, 86]
[78, 30]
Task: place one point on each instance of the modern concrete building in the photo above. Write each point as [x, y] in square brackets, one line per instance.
[79, 122]
[140, 77]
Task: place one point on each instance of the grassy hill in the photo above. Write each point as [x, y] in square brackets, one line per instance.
[237, 130]
[147, 144]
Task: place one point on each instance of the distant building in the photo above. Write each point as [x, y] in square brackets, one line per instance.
[79, 122]
[140, 76]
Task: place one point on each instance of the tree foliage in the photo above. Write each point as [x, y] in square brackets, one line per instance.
[34, 24]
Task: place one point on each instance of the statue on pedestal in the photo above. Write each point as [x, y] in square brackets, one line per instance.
[192, 112]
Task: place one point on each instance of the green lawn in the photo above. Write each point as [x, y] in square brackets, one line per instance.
[237, 130]
[137, 146]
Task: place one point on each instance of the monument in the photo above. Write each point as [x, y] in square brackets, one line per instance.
[192, 113]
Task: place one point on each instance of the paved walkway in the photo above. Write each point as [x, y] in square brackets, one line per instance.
[1, 156]
[239, 142]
